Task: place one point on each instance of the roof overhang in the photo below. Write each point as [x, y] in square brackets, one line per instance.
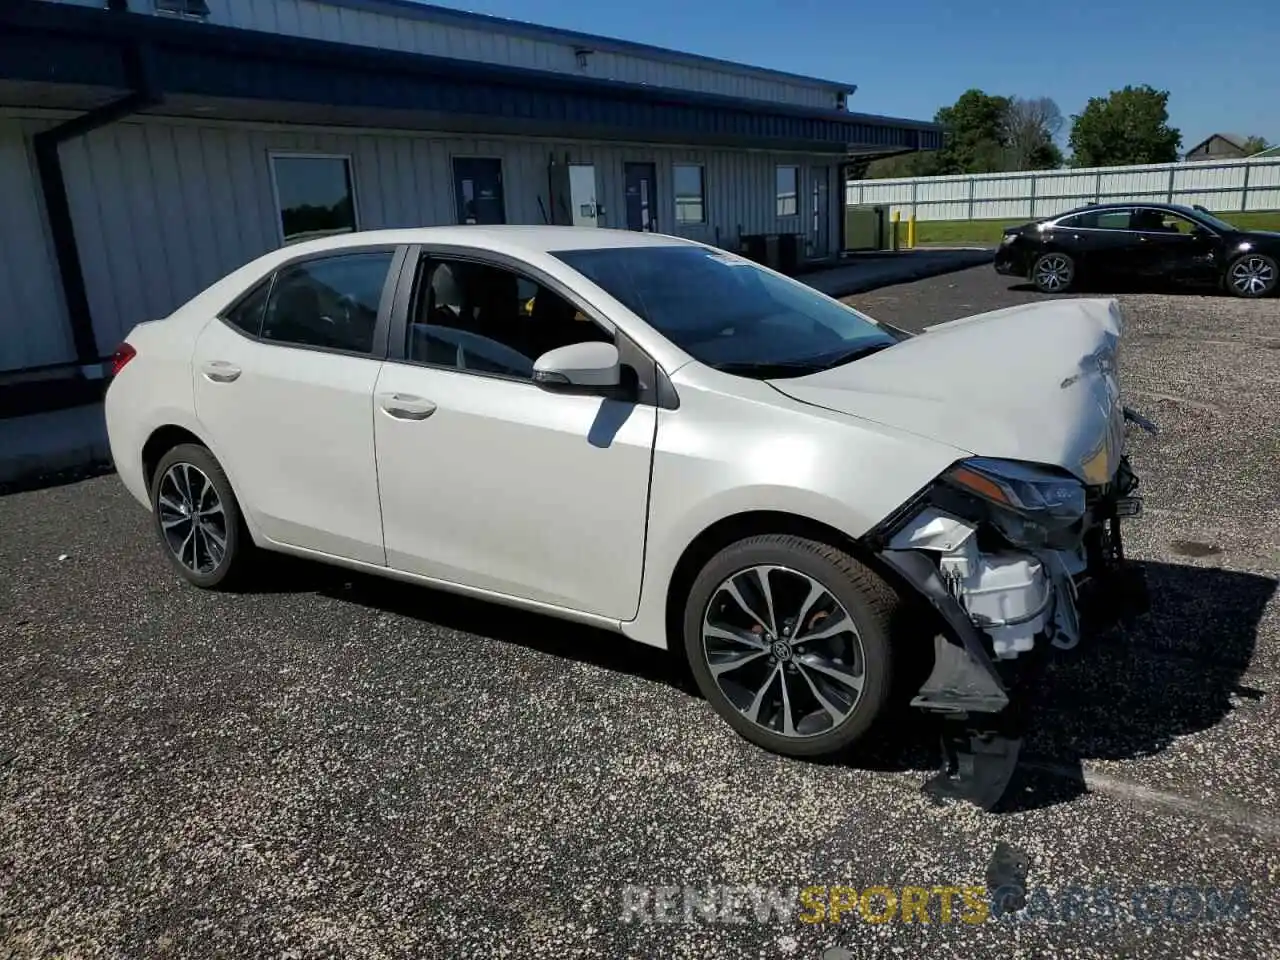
[202, 69]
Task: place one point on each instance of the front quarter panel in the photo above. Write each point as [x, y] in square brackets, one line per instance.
[738, 446]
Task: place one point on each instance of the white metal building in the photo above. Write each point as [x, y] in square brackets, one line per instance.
[148, 147]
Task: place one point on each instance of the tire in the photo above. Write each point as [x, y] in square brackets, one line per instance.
[189, 474]
[1251, 275]
[1053, 272]
[793, 566]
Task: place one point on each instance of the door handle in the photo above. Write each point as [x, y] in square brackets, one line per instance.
[220, 371]
[405, 406]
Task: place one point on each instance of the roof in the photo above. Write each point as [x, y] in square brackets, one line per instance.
[513, 239]
[1234, 139]
[235, 73]
[463, 18]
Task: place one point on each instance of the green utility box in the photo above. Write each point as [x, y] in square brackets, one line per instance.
[867, 228]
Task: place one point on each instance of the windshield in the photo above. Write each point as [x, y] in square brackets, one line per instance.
[729, 313]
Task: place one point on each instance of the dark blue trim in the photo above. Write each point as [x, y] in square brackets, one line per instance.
[71, 44]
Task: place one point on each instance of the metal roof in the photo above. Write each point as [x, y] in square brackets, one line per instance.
[520, 28]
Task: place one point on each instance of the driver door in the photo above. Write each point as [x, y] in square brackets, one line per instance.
[489, 481]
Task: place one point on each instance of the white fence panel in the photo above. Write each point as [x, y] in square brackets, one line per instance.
[1224, 186]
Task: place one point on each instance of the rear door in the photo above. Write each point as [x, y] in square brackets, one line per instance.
[284, 389]
[1099, 241]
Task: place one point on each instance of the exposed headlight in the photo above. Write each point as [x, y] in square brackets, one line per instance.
[1008, 238]
[1031, 506]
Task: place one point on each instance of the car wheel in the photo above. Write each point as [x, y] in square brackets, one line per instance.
[1251, 275]
[788, 639]
[1053, 272]
[198, 518]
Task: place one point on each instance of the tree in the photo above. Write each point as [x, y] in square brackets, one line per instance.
[921, 163]
[1128, 126]
[1029, 128]
[1254, 145]
[975, 134]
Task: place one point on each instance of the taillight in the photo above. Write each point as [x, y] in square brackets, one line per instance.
[124, 353]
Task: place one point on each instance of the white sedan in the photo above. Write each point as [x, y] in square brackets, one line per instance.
[653, 436]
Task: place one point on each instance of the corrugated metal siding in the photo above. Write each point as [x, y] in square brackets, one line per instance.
[33, 318]
[162, 208]
[318, 20]
[1222, 186]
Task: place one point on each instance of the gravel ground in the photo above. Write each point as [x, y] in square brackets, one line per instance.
[340, 766]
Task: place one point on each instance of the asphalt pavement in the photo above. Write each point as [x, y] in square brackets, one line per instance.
[331, 765]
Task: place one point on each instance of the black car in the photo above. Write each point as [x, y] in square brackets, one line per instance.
[1140, 241]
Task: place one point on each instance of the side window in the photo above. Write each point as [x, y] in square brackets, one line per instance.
[1098, 220]
[1162, 221]
[247, 314]
[486, 319]
[330, 303]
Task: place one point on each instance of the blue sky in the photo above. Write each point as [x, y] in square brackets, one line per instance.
[908, 57]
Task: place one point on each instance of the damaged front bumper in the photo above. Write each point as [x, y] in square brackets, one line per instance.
[1004, 609]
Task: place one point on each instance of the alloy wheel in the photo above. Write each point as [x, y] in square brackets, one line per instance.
[1053, 273]
[783, 651]
[1252, 276]
[192, 518]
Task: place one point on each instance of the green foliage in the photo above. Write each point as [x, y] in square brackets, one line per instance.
[923, 163]
[1126, 127]
[1254, 145]
[975, 141]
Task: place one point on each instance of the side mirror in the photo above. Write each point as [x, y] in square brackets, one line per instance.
[585, 367]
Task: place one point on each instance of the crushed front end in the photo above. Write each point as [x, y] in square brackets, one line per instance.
[1017, 560]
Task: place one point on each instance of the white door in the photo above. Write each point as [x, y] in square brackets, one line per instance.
[582, 195]
[286, 399]
[492, 482]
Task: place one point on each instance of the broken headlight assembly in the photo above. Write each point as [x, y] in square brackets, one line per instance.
[1032, 507]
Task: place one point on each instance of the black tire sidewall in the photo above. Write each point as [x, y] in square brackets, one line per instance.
[1035, 270]
[201, 458]
[1275, 277]
[872, 629]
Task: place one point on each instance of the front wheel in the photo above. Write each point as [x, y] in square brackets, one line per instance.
[1053, 273]
[788, 640]
[1252, 275]
[198, 518]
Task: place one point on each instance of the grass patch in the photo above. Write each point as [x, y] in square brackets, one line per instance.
[987, 232]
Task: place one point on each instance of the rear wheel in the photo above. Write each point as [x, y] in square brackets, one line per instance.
[1252, 275]
[198, 518]
[788, 640]
[1053, 272]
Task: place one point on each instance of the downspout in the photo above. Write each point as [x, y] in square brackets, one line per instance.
[53, 187]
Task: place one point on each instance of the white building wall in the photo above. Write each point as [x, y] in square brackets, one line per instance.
[486, 42]
[1224, 186]
[162, 208]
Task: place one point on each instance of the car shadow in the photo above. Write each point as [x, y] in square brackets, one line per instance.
[1098, 288]
[1125, 695]
[439, 608]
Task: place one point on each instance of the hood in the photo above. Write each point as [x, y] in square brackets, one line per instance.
[1037, 383]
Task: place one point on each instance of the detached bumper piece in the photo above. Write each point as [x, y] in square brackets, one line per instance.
[981, 695]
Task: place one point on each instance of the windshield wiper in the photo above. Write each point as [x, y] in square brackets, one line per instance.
[801, 366]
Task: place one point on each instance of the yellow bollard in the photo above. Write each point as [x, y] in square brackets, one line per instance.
[897, 221]
[911, 232]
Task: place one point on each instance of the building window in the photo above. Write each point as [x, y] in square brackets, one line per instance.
[314, 196]
[187, 8]
[689, 194]
[788, 191]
